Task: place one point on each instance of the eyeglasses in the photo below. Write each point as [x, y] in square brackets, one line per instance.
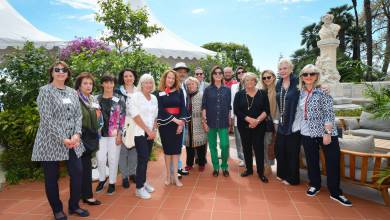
[239, 72]
[218, 73]
[308, 74]
[267, 77]
[61, 70]
[198, 74]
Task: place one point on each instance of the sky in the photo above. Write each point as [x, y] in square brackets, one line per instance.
[269, 28]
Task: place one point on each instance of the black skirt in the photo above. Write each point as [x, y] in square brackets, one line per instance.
[171, 142]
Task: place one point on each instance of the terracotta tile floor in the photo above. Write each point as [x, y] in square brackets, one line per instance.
[202, 197]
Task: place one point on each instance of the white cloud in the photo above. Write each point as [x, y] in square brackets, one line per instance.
[285, 8]
[198, 11]
[80, 4]
[87, 17]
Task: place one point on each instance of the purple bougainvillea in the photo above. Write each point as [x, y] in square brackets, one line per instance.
[80, 45]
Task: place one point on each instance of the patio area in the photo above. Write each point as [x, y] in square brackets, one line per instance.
[202, 197]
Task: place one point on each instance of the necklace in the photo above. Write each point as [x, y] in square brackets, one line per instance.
[247, 101]
[283, 102]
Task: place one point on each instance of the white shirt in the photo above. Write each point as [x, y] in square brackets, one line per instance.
[147, 109]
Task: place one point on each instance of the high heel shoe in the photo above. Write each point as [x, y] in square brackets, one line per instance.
[178, 183]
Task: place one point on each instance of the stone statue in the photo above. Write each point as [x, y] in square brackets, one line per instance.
[328, 74]
[328, 44]
[329, 30]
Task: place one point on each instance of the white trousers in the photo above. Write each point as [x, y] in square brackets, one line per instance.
[108, 150]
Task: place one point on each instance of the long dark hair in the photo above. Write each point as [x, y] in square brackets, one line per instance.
[121, 74]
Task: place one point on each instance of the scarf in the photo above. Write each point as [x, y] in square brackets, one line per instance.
[272, 100]
[87, 100]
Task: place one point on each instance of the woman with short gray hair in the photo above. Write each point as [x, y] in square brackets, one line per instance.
[196, 137]
[315, 119]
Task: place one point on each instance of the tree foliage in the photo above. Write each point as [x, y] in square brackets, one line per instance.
[208, 63]
[237, 54]
[125, 26]
[103, 62]
[22, 73]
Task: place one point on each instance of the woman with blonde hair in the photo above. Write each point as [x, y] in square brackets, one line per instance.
[251, 109]
[143, 109]
[315, 119]
[172, 116]
[288, 139]
[268, 82]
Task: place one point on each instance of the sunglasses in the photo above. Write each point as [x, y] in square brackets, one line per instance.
[239, 72]
[218, 73]
[267, 77]
[198, 74]
[60, 70]
[308, 74]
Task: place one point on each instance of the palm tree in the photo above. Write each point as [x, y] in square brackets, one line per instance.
[345, 19]
[368, 20]
[310, 36]
[356, 37]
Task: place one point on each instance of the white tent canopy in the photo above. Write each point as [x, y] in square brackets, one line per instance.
[166, 43]
[15, 30]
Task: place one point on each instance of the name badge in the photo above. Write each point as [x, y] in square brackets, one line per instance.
[66, 101]
[115, 99]
[96, 105]
[162, 93]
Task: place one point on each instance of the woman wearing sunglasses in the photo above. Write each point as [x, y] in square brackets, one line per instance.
[316, 120]
[268, 82]
[216, 106]
[58, 139]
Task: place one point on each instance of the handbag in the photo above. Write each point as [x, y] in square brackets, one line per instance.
[269, 124]
[90, 139]
[128, 133]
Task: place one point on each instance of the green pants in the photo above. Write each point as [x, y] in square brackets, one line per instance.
[224, 145]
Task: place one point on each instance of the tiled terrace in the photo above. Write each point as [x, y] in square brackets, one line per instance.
[202, 197]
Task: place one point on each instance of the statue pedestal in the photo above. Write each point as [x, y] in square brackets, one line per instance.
[328, 48]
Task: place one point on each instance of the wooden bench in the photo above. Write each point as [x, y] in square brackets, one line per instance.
[364, 171]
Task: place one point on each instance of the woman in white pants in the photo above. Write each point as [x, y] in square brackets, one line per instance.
[113, 109]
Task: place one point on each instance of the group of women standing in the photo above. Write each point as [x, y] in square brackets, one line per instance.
[74, 124]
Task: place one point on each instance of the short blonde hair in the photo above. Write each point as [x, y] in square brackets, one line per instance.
[309, 68]
[192, 79]
[146, 77]
[286, 61]
[249, 76]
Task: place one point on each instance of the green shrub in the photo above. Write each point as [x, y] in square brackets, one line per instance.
[25, 70]
[18, 128]
[102, 62]
[380, 105]
[349, 113]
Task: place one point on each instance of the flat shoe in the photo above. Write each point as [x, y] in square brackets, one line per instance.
[60, 216]
[80, 212]
[96, 202]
